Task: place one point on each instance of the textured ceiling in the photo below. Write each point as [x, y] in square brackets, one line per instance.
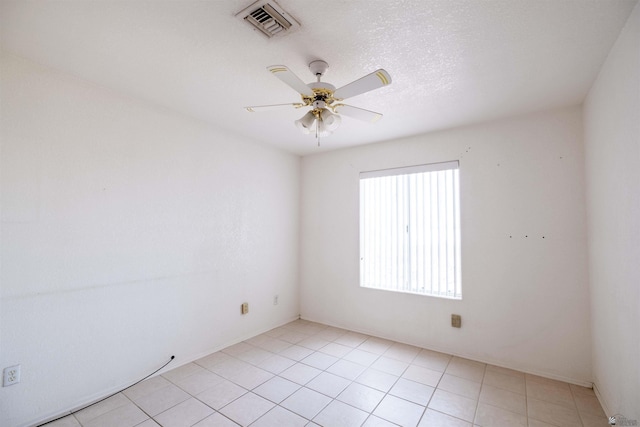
[453, 62]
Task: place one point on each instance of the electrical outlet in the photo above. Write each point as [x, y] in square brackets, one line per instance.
[275, 300]
[11, 376]
[244, 309]
[456, 320]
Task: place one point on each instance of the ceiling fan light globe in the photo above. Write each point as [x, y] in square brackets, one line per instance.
[323, 130]
[303, 129]
[306, 123]
[331, 121]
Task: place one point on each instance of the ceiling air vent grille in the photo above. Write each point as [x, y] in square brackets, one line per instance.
[268, 18]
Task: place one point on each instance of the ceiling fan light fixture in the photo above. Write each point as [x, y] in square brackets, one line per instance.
[330, 120]
[323, 130]
[305, 123]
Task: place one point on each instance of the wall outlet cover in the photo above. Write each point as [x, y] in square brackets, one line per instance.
[11, 375]
[456, 320]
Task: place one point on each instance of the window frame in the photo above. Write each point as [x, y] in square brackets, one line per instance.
[411, 254]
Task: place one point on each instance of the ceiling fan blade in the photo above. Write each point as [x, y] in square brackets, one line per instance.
[293, 81]
[375, 80]
[258, 108]
[357, 113]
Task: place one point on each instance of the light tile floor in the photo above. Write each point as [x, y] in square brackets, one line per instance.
[308, 374]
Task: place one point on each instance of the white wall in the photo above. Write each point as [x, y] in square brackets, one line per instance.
[612, 151]
[525, 293]
[129, 234]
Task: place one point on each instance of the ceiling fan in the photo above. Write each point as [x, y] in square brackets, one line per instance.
[325, 100]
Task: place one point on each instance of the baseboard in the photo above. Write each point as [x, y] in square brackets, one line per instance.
[552, 376]
[77, 406]
[190, 359]
[601, 398]
[83, 403]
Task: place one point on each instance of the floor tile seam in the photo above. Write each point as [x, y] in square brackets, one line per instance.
[191, 394]
[111, 410]
[222, 376]
[580, 415]
[365, 366]
[461, 395]
[428, 403]
[387, 393]
[505, 389]
[72, 414]
[371, 415]
[257, 363]
[373, 352]
[546, 422]
[475, 412]
[395, 395]
[265, 414]
[223, 415]
[318, 413]
[575, 391]
[153, 417]
[97, 403]
[573, 395]
[555, 402]
[448, 364]
[463, 378]
[307, 364]
[294, 343]
[428, 367]
[457, 418]
[458, 394]
[182, 377]
[345, 403]
[549, 385]
[550, 382]
[398, 397]
[526, 414]
[223, 406]
[132, 401]
[402, 373]
[504, 375]
[196, 422]
[517, 374]
[237, 354]
[253, 388]
[244, 394]
[310, 348]
[398, 360]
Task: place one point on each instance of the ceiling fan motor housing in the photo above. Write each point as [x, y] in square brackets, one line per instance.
[322, 94]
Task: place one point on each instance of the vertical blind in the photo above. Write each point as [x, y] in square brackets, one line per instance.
[410, 229]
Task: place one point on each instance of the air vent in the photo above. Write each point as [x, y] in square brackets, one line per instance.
[268, 18]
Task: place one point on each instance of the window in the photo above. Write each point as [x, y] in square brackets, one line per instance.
[410, 229]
